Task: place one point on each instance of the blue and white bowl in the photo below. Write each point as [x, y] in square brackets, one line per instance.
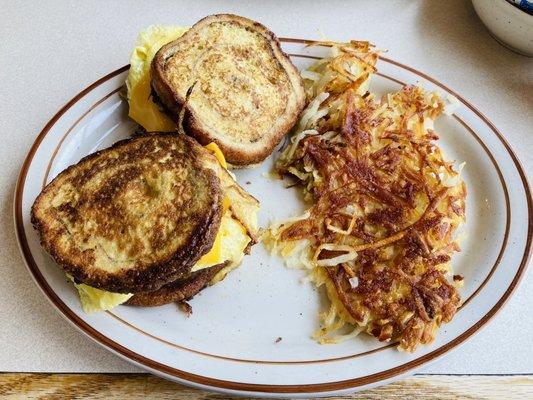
[509, 21]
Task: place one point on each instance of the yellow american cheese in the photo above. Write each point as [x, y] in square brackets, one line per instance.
[213, 148]
[142, 109]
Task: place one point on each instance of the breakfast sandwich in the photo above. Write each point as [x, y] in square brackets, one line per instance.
[225, 80]
[148, 221]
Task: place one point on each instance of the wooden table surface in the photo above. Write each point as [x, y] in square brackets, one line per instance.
[144, 386]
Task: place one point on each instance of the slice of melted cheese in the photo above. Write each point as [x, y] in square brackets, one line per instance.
[229, 245]
[142, 109]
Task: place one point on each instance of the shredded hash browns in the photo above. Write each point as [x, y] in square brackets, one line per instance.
[385, 204]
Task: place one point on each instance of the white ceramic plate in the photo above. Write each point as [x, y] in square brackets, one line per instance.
[229, 343]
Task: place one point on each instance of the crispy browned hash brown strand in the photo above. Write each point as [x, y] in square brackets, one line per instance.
[386, 204]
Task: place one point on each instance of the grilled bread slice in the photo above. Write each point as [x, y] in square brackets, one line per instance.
[133, 217]
[179, 290]
[234, 83]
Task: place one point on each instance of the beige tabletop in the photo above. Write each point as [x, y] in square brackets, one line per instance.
[52, 50]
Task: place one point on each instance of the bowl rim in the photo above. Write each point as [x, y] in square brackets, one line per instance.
[516, 8]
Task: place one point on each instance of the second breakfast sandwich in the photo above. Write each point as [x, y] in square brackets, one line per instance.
[150, 220]
[225, 80]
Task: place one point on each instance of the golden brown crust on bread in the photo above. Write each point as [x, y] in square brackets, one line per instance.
[132, 217]
[246, 92]
[179, 290]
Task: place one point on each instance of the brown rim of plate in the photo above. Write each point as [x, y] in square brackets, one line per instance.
[250, 387]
